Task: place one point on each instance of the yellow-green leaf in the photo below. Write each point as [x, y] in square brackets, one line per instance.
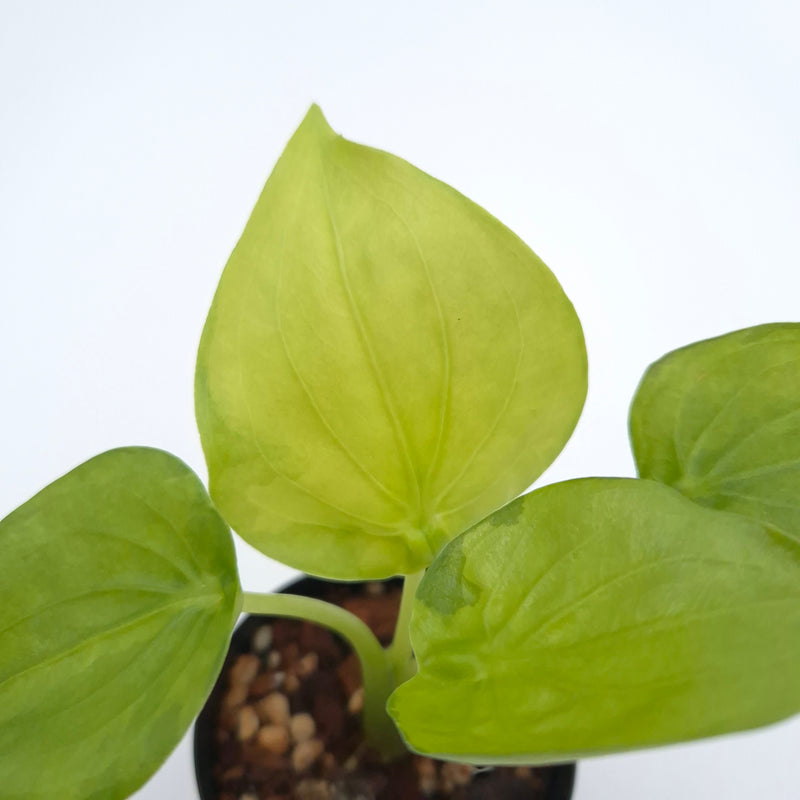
[720, 421]
[119, 594]
[601, 615]
[383, 364]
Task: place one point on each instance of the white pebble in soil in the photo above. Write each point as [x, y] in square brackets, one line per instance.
[262, 639]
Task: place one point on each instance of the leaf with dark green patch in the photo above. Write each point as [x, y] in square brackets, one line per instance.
[603, 615]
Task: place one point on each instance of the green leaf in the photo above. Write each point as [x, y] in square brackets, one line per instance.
[720, 421]
[119, 594]
[601, 615]
[383, 364]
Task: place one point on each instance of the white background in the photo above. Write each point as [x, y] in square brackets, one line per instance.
[648, 151]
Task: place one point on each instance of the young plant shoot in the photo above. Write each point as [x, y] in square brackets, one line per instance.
[385, 367]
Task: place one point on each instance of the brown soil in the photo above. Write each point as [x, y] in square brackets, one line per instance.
[289, 722]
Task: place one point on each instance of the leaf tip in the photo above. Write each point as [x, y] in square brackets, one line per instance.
[315, 121]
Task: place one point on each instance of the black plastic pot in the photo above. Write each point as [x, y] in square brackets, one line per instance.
[563, 775]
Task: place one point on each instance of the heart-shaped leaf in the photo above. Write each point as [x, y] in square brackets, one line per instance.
[720, 421]
[383, 365]
[601, 615]
[119, 594]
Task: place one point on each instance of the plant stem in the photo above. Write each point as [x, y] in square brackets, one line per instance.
[401, 653]
[376, 668]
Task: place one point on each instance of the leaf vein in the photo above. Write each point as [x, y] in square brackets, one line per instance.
[101, 635]
[383, 388]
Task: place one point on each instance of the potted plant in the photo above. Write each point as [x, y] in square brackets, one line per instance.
[384, 369]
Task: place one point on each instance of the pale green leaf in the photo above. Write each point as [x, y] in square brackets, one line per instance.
[383, 365]
[119, 594]
[601, 615]
[720, 421]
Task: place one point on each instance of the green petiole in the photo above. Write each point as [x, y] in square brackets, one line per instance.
[376, 667]
[400, 652]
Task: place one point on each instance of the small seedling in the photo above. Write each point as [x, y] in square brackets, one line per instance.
[384, 368]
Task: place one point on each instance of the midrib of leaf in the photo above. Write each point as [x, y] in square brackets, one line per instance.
[199, 601]
[83, 596]
[569, 608]
[49, 713]
[446, 357]
[176, 567]
[597, 687]
[307, 391]
[390, 495]
[665, 623]
[383, 388]
[176, 669]
[256, 442]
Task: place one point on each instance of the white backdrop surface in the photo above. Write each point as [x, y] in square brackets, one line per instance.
[647, 151]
